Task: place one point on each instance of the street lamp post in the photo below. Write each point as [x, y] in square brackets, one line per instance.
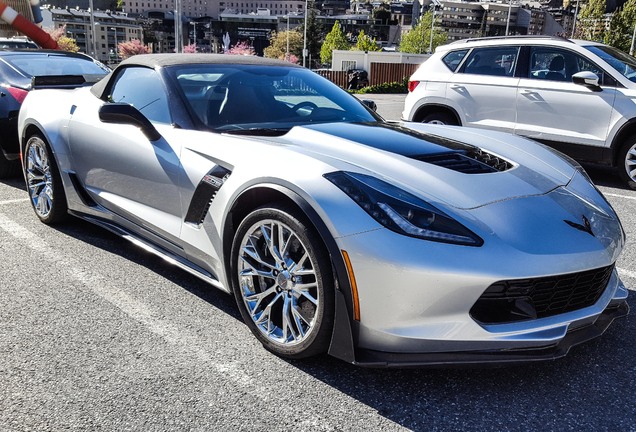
[92, 32]
[430, 44]
[508, 20]
[116, 48]
[305, 37]
[194, 23]
[287, 52]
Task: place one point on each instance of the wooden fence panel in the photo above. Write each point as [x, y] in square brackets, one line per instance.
[390, 72]
[337, 77]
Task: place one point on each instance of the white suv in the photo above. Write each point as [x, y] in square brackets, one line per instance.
[576, 96]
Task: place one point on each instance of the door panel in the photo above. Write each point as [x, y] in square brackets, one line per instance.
[485, 88]
[126, 173]
[551, 107]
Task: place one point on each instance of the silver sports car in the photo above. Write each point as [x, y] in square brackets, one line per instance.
[378, 243]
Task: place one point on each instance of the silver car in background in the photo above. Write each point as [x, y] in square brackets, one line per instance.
[378, 243]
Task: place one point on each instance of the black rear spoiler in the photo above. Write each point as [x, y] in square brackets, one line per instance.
[63, 81]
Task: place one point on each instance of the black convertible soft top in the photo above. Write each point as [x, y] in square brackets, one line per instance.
[155, 61]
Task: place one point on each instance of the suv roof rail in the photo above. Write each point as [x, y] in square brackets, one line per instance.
[560, 38]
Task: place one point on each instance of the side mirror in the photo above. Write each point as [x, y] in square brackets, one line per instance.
[369, 104]
[587, 79]
[123, 113]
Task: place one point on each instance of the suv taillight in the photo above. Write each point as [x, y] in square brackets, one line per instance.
[17, 93]
[412, 85]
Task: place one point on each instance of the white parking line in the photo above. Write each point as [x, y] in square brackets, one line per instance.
[627, 273]
[183, 339]
[620, 196]
[14, 201]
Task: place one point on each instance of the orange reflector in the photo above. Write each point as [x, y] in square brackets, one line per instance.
[354, 286]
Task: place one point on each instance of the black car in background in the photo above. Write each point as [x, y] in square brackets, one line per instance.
[17, 69]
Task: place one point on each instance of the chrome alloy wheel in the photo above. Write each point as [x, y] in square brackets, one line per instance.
[39, 177]
[630, 163]
[278, 283]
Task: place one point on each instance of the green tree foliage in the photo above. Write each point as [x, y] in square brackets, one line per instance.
[366, 43]
[622, 27]
[418, 39]
[335, 40]
[278, 44]
[591, 21]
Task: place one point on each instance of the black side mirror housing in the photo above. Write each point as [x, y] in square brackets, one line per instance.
[123, 113]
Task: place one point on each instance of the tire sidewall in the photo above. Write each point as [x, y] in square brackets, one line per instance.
[317, 341]
[622, 168]
[59, 207]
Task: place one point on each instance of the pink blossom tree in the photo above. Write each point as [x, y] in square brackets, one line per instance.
[190, 49]
[131, 48]
[241, 48]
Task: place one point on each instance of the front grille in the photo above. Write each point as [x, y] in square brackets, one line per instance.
[470, 162]
[524, 299]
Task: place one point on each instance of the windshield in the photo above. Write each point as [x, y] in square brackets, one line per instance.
[53, 64]
[264, 99]
[621, 62]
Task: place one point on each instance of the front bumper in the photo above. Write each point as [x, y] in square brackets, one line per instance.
[371, 358]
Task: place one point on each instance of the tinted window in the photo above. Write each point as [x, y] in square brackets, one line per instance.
[621, 62]
[556, 64]
[143, 89]
[454, 58]
[499, 61]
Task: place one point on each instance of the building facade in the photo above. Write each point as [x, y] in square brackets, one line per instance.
[110, 28]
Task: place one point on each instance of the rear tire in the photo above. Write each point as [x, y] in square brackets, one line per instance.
[282, 282]
[440, 118]
[43, 181]
[626, 162]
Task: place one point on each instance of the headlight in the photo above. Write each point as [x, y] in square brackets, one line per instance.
[402, 212]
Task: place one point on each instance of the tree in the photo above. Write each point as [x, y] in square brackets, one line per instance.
[622, 26]
[64, 42]
[591, 21]
[335, 40]
[131, 48]
[366, 43]
[278, 45]
[418, 39]
[190, 48]
[241, 48]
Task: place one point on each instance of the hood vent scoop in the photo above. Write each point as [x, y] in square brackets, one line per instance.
[468, 162]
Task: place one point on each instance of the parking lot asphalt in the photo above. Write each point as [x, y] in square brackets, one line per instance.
[98, 335]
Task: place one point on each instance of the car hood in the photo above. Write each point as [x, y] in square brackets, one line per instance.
[461, 167]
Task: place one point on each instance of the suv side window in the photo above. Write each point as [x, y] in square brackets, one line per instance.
[556, 64]
[454, 58]
[500, 61]
[142, 88]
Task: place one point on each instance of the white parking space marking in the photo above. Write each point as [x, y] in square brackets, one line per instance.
[14, 201]
[628, 273]
[620, 196]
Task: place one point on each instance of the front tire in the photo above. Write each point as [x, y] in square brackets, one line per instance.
[627, 162]
[43, 181]
[283, 282]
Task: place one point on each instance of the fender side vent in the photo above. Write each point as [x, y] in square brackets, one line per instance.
[204, 194]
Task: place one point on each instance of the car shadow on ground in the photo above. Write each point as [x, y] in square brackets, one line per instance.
[590, 389]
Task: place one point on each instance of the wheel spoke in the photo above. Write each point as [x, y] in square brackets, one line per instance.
[280, 288]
